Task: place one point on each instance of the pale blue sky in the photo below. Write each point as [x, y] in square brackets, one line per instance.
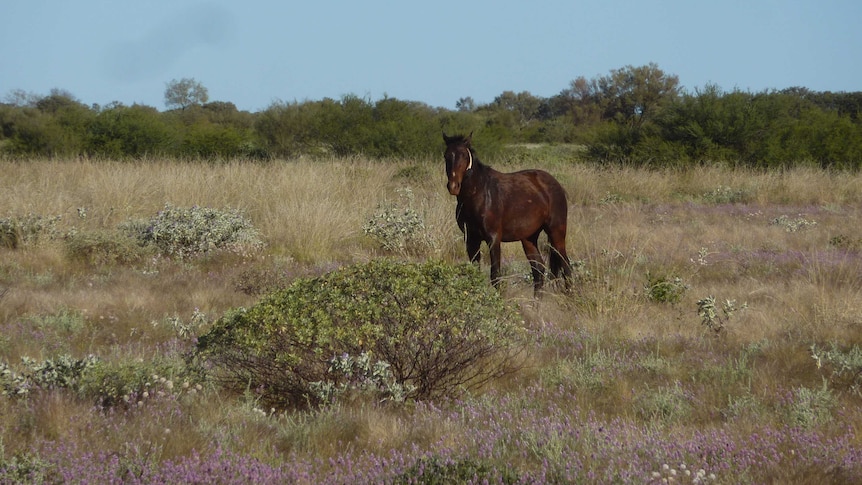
[255, 52]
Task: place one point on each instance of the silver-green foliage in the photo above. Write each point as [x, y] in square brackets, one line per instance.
[360, 375]
[809, 407]
[63, 371]
[714, 318]
[187, 232]
[843, 365]
[792, 224]
[398, 227]
[17, 231]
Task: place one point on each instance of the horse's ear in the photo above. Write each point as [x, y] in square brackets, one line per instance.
[445, 138]
[469, 140]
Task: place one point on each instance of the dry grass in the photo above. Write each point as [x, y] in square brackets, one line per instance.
[713, 227]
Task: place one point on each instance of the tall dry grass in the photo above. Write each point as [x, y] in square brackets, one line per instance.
[719, 230]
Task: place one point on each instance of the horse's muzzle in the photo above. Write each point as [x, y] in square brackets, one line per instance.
[454, 187]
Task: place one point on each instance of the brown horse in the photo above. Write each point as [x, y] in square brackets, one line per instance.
[497, 207]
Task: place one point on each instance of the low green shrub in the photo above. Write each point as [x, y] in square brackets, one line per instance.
[664, 289]
[127, 383]
[102, 248]
[437, 328]
[808, 407]
[63, 371]
[107, 384]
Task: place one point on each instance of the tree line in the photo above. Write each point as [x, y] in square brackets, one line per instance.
[633, 115]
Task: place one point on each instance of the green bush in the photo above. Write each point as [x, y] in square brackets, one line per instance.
[130, 131]
[664, 289]
[186, 232]
[438, 328]
[99, 248]
[129, 383]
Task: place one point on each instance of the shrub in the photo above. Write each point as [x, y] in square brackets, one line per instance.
[436, 327]
[436, 470]
[844, 366]
[130, 131]
[807, 407]
[61, 372]
[112, 384]
[792, 225]
[666, 404]
[359, 376]
[726, 195]
[710, 316]
[664, 289]
[398, 228]
[103, 248]
[24, 468]
[18, 231]
[186, 232]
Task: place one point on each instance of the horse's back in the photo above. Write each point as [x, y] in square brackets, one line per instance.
[528, 201]
[529, 183]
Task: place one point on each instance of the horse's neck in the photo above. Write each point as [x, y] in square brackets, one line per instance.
[479, 180]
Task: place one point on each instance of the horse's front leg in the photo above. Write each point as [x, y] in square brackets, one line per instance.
[495, 251]
[474, 246]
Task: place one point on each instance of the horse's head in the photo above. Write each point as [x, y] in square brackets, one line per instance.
[459, 160]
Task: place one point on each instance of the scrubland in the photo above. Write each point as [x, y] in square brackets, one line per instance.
[712, 335]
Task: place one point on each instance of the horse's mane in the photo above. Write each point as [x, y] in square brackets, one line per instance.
[458, 140]
[466, 141]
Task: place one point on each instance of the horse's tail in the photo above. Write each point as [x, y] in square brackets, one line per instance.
[556, 262]
[560, 265]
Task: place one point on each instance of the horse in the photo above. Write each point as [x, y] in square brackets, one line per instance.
[497, 207]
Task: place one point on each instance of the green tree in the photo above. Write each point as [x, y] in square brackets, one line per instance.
[635, 95]
[53, 125]
[185, 93]
[130, 131]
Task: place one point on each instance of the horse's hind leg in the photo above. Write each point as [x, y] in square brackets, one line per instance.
[537, 264]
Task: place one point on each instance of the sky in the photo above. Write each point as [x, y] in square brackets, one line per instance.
[258, 52]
